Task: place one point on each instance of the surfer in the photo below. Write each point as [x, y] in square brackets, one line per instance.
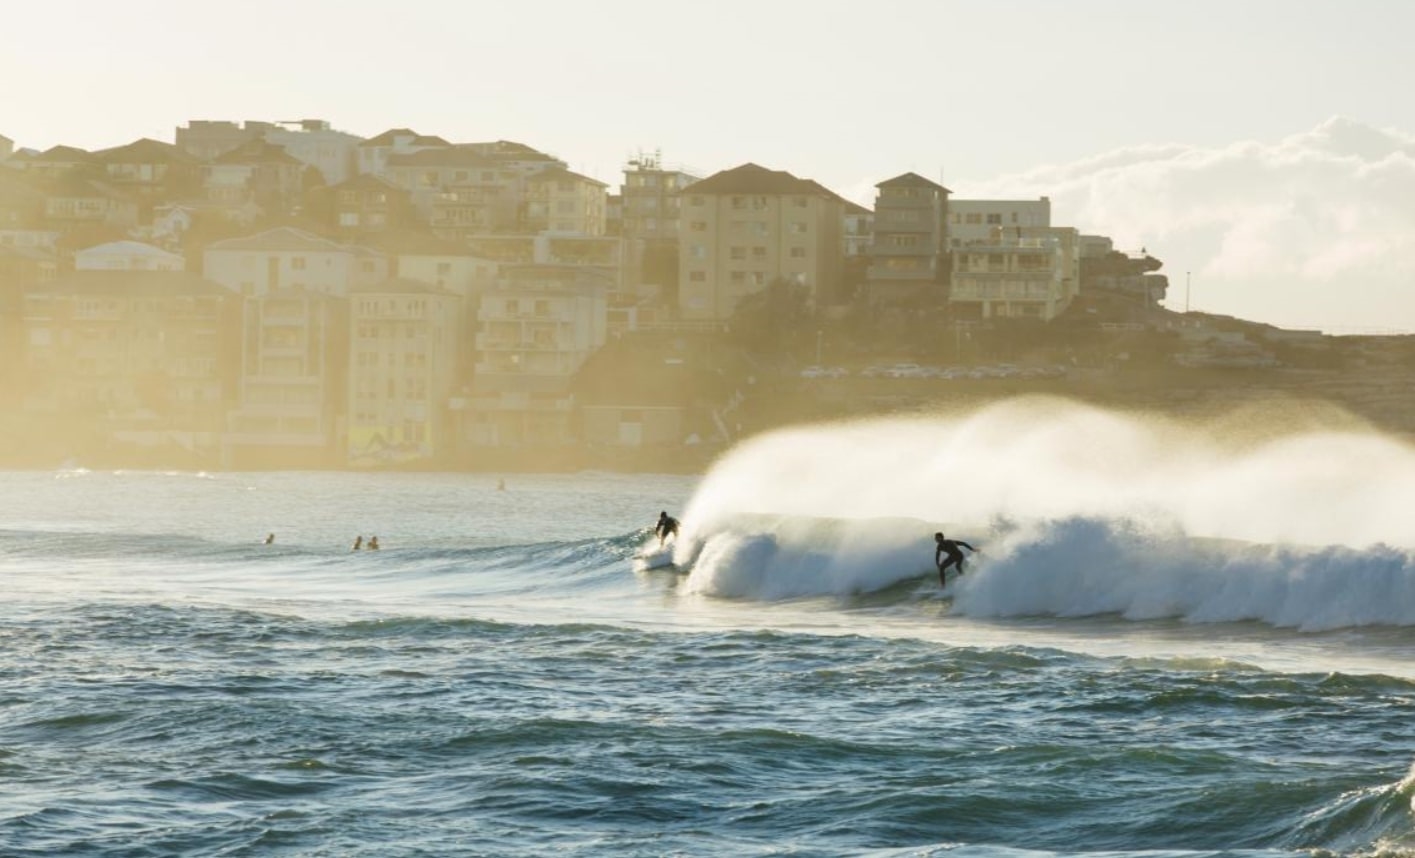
[358, 542]
[373, 543]
[667, 525]
[270, 539]
[955, 557]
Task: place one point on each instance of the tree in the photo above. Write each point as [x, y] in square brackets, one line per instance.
[771, 322]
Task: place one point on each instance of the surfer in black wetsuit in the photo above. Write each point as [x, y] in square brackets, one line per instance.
[948, 547]
[667, 524]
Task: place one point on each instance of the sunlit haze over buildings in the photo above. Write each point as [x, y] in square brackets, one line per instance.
[1266, 147]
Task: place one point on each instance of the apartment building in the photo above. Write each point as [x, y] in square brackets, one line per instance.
[57, 162]
[150, 168]
[859, 230]
[747, 227]
[316, 143]
[75, 201]
[148, 355]
[1023, 273]
[974, 220]
[313, 142]
[127, 256]
[292, 393]
[650, 215]
[403, 369]
[279, 259]
[534, 332]
[373, 153]
[564, 202]
[364, 205]
[207, 139]
[909, 253]
[257, 173]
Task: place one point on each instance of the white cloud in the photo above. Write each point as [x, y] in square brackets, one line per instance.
[1316, 230]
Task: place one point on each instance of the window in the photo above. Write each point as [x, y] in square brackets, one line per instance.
[798, 202]
[798, 253]
[697, 276]
[297, 263]
[995, 219]
[698, 251]
[739, 202]
[348, 218]
[759, 253]
[738, 252]
[974, 217]
[738, 277]
[796, 226]
[698, 226]
[695, 201]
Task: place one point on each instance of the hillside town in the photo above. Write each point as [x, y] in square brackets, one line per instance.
[289, 295]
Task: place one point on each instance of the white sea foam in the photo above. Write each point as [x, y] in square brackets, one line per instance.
[1081, 511]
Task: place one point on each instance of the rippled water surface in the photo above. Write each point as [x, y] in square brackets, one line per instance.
[505, 678]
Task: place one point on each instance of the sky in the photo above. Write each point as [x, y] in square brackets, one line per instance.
[1264, 150]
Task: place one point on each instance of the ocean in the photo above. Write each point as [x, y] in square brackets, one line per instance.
[1171, 642]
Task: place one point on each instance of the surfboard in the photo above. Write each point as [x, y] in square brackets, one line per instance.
[658, 559]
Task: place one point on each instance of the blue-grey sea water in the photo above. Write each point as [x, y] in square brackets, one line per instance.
[505, 677]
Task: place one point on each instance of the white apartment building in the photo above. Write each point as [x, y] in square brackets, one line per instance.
[313, 141]
[1031, 274]
[974, 220]
[283, 258]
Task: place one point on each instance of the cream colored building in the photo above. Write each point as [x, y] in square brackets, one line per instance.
[749, 226]
[127, 256]
[560, 201]
[402, 371]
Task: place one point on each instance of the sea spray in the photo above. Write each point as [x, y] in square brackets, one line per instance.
[1042, 458]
